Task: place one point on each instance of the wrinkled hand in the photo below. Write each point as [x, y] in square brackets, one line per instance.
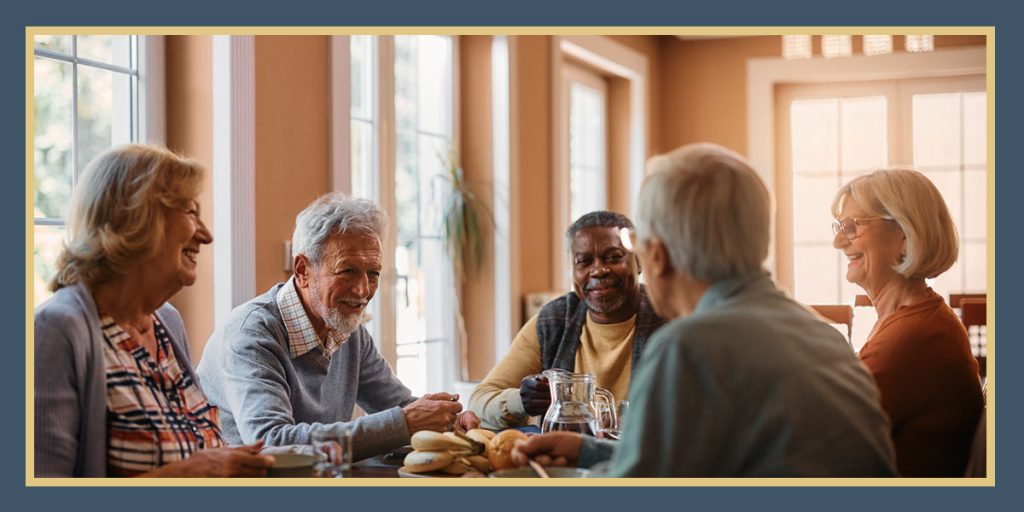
[467, 420]
[551, 449]
[433, 411]
[242, 461]
[535, 394]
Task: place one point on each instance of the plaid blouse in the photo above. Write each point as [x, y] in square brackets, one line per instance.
[156, 414]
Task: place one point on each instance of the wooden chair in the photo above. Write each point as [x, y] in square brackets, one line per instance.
[837, 314]
[862, 301]
[974, 313]
[956, 298]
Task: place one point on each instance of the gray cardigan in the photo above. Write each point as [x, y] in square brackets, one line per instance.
[264, 393]
[71, 383]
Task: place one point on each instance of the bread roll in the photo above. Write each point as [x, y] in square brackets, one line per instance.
[499, 449]
[422, 462]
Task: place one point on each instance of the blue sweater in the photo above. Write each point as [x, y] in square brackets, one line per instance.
[263, 393]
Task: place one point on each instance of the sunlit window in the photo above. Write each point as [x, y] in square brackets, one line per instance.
[85, 101]
[586, 150]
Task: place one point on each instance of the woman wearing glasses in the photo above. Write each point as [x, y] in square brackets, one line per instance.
[896, 231]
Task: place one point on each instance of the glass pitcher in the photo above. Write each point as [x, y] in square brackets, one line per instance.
[575, 402]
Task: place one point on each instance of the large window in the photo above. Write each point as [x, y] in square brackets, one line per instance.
[85, 100]
[587, 135]
[838, 132]
[408, 147]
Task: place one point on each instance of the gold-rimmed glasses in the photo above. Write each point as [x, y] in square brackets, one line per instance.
[849, 225]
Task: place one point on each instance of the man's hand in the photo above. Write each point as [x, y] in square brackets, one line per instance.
[433, 411]
[551, 449]
[467, 420]
[535, 394]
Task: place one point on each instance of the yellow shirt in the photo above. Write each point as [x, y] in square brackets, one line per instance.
[605, 350]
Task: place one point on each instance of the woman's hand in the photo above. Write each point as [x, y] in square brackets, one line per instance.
[242, 461]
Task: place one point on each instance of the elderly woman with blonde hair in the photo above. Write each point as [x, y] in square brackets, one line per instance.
[115, 392]
[896, 231]
[742, 381]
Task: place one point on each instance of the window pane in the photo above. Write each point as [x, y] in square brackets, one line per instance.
[48, 240]
[812, 208]
[433, 63]
[114, 50]
[406, 186]
[937, 130]
[361, 49]
[948, 184]
[975, 128]
[815, 135]
[405, 83]
[586, 150]
[433, 153]
[975, 267]
[816, 280]
[864, 133]
[56, 43]
[104, 111]
[362, 159]
[52, 137]
[952, 280]
[975, 204]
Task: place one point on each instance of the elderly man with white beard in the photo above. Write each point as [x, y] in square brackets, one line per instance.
[297, 359]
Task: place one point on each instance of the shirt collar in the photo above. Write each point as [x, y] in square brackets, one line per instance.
[301, 335]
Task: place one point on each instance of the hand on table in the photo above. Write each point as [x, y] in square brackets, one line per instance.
[551, 449]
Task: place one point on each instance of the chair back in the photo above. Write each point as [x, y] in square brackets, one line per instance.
[956, 298]
[837, 314]
[974, 314]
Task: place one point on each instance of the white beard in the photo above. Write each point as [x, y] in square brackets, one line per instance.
[342, 325]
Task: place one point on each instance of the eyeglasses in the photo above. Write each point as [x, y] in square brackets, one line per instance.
[849, 225]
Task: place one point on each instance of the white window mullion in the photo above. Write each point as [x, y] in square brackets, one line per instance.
[233, 172]
[385, 108]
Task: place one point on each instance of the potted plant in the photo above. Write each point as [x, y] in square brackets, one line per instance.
[463, 214]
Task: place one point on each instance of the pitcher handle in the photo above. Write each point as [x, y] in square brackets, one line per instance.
[602, 395]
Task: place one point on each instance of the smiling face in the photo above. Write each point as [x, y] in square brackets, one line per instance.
[337, 290]
[605, 274]
[177, 256]
[873, 253]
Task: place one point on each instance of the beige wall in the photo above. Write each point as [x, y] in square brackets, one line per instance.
[190, 132]
[703, 86]
[292, 141]
[476, 148]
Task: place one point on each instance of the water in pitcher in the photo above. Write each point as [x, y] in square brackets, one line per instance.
[580, 427]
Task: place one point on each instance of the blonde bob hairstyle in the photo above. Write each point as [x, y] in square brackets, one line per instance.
[911, 199]
[116, 217]
[709, 208]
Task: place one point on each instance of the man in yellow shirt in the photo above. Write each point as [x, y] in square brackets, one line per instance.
[600, 327]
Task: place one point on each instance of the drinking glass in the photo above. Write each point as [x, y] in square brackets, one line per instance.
[333, 448]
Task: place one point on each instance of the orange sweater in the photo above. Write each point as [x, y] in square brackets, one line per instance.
[921, 359]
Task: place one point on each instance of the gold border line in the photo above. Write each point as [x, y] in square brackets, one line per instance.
[988, 481]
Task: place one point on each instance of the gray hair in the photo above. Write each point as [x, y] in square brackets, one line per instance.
[709, 208]
[600, 218]
[913, 201]
[332, 214]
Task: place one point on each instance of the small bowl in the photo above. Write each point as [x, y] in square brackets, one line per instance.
[554, 471]
[292, 465]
